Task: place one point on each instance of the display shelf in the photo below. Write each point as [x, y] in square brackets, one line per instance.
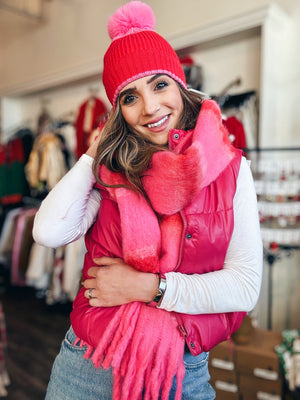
[277, 181]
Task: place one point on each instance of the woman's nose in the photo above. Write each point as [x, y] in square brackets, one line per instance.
[150, 105]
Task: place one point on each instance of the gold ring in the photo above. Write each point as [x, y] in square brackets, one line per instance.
[90, 293]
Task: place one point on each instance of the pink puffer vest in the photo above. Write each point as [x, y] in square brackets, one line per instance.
[207, 220]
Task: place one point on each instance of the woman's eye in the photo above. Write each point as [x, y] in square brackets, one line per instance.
[161, 85]
[128, 99]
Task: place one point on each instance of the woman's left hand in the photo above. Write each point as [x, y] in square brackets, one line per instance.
[117, 283]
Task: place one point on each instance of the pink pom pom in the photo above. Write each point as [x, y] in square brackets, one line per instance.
[132, 17]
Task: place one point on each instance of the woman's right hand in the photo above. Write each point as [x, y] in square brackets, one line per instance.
[92, 150]
[118, 283]
[95, 137]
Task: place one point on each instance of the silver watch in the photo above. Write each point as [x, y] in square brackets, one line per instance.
[162, 284]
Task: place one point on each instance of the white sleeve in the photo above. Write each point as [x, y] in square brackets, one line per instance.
[70, 208]
[235, 287]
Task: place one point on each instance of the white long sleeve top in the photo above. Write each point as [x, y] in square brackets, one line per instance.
[72, 206]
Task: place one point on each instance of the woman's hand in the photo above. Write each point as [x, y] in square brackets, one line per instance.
[92, 150]
[117, 283]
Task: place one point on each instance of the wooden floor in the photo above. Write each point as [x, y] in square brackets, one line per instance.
[34, 335]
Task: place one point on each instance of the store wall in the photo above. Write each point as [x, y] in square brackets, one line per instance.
[239, 59]
[72, 35]
[70, 41]
[68, 45]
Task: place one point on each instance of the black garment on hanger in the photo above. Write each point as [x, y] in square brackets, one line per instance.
[233, 100]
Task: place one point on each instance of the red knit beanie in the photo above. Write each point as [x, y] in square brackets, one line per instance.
[136, 50]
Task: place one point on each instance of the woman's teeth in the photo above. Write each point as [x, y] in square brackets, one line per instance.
[158, 123]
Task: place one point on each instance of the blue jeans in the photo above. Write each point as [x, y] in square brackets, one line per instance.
[75, 378]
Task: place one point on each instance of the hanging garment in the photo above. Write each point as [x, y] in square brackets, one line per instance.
[245, 108]
[236, 132]
[89, 116]
[73, 262]
[46, 164]
[68, 133]
[55, 292]
[8, 234]
[40, 267]
[23, 241]
[13, 183]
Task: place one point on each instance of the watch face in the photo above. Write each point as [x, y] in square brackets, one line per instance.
[160, 290]
[158, 295]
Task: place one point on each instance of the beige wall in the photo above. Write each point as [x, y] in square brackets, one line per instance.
[72, 36]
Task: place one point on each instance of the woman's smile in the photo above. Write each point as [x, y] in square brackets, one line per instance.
[158, 123]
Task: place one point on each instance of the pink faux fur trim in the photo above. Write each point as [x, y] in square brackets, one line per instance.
[180, 177]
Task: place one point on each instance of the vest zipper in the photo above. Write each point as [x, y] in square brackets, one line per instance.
[182, 330]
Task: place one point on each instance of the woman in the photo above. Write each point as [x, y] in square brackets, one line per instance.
[174, 254]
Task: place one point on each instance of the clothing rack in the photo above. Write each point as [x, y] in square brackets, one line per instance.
[223, 96]
[67, 116]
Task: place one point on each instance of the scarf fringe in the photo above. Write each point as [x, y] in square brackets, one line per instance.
[142, 344]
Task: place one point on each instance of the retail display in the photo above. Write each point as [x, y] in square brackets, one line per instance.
[277, 182]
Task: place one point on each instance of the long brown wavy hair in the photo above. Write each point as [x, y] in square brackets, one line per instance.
[122, 150]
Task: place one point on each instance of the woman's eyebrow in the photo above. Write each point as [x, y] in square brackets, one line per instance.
[154, 77]
[127, 91]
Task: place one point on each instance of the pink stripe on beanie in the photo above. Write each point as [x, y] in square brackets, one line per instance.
[136, 50]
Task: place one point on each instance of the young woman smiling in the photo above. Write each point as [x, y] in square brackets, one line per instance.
[168, 206]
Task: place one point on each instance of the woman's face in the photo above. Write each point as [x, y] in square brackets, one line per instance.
[152, 106]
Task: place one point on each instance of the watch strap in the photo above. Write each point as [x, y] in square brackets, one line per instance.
[162, 285]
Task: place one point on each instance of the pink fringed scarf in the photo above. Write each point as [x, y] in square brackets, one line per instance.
[142, 344]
